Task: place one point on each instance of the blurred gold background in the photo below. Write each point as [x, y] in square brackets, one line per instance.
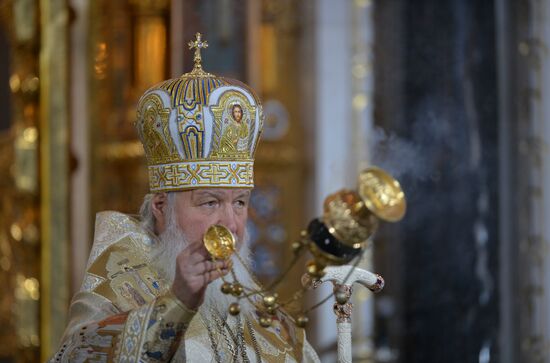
[69, 148]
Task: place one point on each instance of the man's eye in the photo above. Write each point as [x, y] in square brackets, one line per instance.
[210, 203]
[240, 203]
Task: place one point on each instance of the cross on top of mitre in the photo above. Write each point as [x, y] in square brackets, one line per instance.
[197, 44]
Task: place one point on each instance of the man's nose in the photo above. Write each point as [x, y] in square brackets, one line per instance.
[228, 219]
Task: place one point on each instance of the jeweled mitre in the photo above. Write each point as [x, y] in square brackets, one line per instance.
[199, 130]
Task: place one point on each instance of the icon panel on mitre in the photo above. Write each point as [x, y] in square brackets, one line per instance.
[233, 129]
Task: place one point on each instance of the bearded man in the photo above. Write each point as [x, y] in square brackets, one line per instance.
[151, 292]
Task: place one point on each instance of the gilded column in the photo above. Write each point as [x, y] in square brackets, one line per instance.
[150, 47]
[54, 171]
[19, 194]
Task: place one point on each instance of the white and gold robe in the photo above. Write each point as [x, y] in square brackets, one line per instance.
[125, 313]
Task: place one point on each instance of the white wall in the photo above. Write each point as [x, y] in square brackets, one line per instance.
[332, 129]
[343, 34]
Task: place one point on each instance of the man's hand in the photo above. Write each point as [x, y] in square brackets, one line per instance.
[194, 271]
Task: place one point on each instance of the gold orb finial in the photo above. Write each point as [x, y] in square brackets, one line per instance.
[234, 308]
[265, 321]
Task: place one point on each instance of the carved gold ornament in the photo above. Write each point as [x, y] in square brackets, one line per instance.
[382, 194]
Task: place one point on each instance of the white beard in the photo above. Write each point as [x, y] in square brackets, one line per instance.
[173, 241]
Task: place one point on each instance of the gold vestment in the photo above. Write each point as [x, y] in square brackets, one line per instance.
[125, 313]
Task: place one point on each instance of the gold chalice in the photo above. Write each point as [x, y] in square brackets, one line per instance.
[219, 242]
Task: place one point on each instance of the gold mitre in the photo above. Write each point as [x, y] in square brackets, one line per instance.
[199, 130]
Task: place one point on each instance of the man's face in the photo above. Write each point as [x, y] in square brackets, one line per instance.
[237, 113]
[198, 209]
